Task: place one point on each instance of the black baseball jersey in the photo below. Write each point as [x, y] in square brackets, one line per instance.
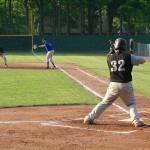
[1, 50]
[120, 67]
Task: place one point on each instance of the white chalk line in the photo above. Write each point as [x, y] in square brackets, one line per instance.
[102, 82]
[87, 129]
[58, 124]
[145, 118]
[80, 83]
[85, 87]
[18, 122]
[92, 76]
[89, 89]
[144, 112]
[126, 120]
[38, 56]
[81, 119]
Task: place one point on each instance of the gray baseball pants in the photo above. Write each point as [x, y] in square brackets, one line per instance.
[115, 90]
[49, 56]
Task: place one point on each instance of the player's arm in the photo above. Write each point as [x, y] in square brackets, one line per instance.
[111, 51]
[41, 46]
[136, 60]
[36, 46]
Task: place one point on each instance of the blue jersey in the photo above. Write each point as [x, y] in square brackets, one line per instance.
[48, 46]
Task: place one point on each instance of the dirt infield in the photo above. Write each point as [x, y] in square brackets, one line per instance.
[62, 128]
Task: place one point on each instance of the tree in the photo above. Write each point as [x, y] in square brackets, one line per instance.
[82, 11]
[26, 12]
[100, 4]
[40, 6]
[59, 16]
[129, 11]
[75, 16]
[91, 8]
[68, 18]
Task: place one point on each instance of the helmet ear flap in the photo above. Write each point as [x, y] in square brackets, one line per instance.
[120, 44]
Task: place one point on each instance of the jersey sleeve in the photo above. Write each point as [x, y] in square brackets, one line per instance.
[135, 60]
[46, 44]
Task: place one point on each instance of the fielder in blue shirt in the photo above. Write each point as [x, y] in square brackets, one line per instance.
[50, 52]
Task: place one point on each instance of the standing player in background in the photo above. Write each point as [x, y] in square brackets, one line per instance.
[50, 52]
[3, 56]
[120, 67]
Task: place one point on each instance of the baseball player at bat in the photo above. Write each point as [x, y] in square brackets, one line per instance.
[120, 66]
[3, 56]
[50, 51]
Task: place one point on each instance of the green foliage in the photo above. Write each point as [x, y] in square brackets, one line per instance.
[68, 14]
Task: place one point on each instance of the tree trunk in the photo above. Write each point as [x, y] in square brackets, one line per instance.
[100, 19]
[10, 16]
[59, 18]
[120, 25]
[109, 18]
[27, 14]
[128, 24]
[41, 17]
[90, 17]
[82, 17]
[5, 13]
[68, 18]
[54, 18]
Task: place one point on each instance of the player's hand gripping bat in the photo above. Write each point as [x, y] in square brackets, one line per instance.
[131, 42]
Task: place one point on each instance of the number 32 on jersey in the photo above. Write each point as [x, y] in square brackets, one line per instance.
[117, 66]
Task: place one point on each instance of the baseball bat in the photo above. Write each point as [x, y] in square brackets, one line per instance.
[131, 43]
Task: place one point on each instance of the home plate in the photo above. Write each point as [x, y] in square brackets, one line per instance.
[126, 120]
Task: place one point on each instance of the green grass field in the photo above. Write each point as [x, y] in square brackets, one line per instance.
[38, 87]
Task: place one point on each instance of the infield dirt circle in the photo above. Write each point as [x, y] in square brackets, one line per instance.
[62, 128]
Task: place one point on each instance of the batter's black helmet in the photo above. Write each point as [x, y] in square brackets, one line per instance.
[120, 44]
